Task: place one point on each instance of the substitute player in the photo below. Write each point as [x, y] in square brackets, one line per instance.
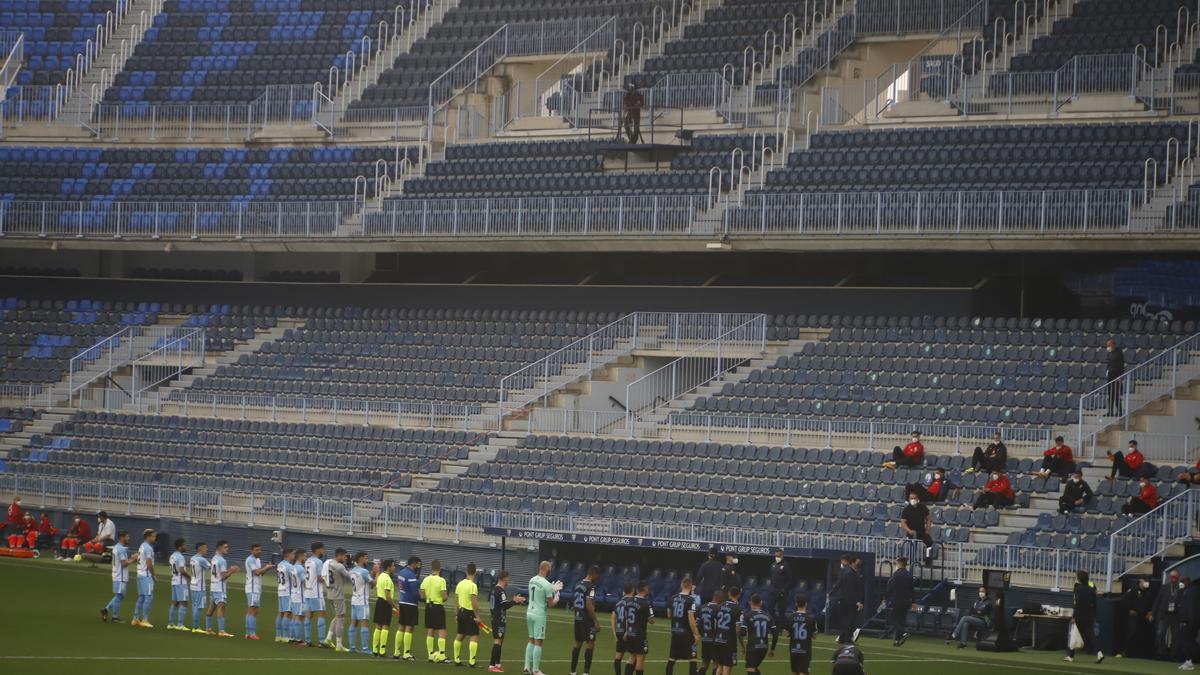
[685, 633]
[314, 598]
[725, 640]
[121, 560]
[199, 566]
[255, 569]
[385, 606]
[500, 604]
[801, 628]
[360, 593]
[542, 595]
[335, 575]
[283, 574]
[467, 595]
[707, 618]
[220, 570]
[435, 593]
[409, 595]
[757, 627]
[145, 581]
[584, 605]
[179, 587]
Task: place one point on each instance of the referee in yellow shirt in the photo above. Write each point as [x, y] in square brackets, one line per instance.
[434, 592]
[467, 595]
[385, 606]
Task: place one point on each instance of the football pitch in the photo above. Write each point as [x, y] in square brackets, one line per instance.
[52, 625]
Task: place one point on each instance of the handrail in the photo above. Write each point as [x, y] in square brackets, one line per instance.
[1174, 521]
[14, 56]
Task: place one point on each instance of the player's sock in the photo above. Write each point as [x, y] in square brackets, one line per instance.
[251, 624]
[575, 660]
[495, 654]
[473, 650]
[321, 628]
[375, 640]
[399, 645]
[628, 669]
[670, 668]
[537, 658]
[278, 626]
[408, 638]
[305, 630]
[616, 666]
[364, 638]
[221, 623]
[429, 646]
[195, 617]
[208, 622]
[587, 660]
[383, 641]
[171, 615]
[442, 646]
[691, 668]
[528, 655]
[137, 607]
[457, 650]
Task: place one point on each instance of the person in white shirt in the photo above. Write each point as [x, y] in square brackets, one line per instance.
[255, 569]
[199, 565]
[314, 599]
[360, 594]
[121, 560]
[219, 572]
[334, 576]
[179, 587]
[145, 581]
[106, 533]
[283, 572]
[299, 609]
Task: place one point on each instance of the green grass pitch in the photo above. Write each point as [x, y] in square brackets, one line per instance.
[51, 624]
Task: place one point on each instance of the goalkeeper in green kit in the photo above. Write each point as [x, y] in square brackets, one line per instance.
[542, 594]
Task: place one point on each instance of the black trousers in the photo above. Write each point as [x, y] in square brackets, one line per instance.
[1086, 625]
[980, 461]
[1066, 505]
[847, 620]
[992, 499]
[902, 459]
[1120, 467]
[897, 618]
[633, 125]
[1115, 391]
[1135, 507]
[1057, 466]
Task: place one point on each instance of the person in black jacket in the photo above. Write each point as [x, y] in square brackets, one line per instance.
[729, 573]
[1135, 607]
[899, 598]
[778, 588]
[994, 458]
[1114, 368]
[1165, 616]
[1189, 623]
[1077, 494]
[708, 577]
[977, 619]
[846, 596]
[1084, 616]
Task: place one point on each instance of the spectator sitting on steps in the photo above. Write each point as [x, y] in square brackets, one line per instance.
[1059, 460]
[1144, 502]
[1132, 464]
[1076, 494]
[995, 458]
[996, 493]
[910, 455]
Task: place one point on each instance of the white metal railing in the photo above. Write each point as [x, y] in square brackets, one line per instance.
[348, 82]
[1175, 521]
[29, 395]
[899, 17]
[1172, 449]
[743, 340]
[282, 408]
[175, 355]
[187, 121]
[1033, 566]
[638, 331]
[1115, 402]
[543, 420]
[121, 349]
[12, 55]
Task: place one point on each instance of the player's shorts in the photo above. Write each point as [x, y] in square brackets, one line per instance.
[316, 604]
[585, 630]
[635, 644]
[466, 622]
[337, 607]
[801, 662]
[119, 587]
[358, 612]
[537, 627]
[408, 615]
[254, 599]
[847, 669]
[299, 608]
[683, 647]
[726, 654]
[755, 657]
[145, 585]
[707, 651]
[285, 605]
[219, 598]
[179, 593]
[199, 599]
[498, 628]
[383, 612]
[435, 616]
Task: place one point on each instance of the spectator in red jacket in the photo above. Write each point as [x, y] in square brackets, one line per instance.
[935, 487]
[46, 532]
[910, 455]
[1059, 460]
[16, 517]
[1144, 502]
[1132, 464]
[1192, 475]
[996, 493]
[80, 532]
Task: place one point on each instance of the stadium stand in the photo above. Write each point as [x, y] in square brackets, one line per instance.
[55, 31]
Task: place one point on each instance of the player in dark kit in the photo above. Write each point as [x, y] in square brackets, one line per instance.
[757, 627]
[725, 643]
[707, 618]
[801, 628]
[584, 606]
[684, 632]
[638, 617]
[501, 602]
[624, 606]
[848, 660]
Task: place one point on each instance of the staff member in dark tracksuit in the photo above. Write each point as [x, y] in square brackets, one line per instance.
[1085, 615]
[899, 597]
[778, 589]
[708, 577]
[846, 596]
[1114, 367]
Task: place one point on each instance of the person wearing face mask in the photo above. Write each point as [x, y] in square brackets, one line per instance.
[935, 488]
[1165, 616]
[910, 455]
[996, 493]
[1189, 622]
[917, 523]
[778, 588]
[1084, 615]
[1145, 501]
[976, 620]
[1131, 464]
[1135, 607]
[994, 458]
[899, 598]
[1076, 494]
[1114, 368]
[729, 573]
[845, 600]
[708, 577]
[1059, 460]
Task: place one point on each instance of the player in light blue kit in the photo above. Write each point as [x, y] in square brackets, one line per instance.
[121, 560]
[314, 599]
[361, 580]
[199, 565]
[283, 572]
[255, 569]
[179, 587]
[220, 571]
[145, 581]
[299, 608]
